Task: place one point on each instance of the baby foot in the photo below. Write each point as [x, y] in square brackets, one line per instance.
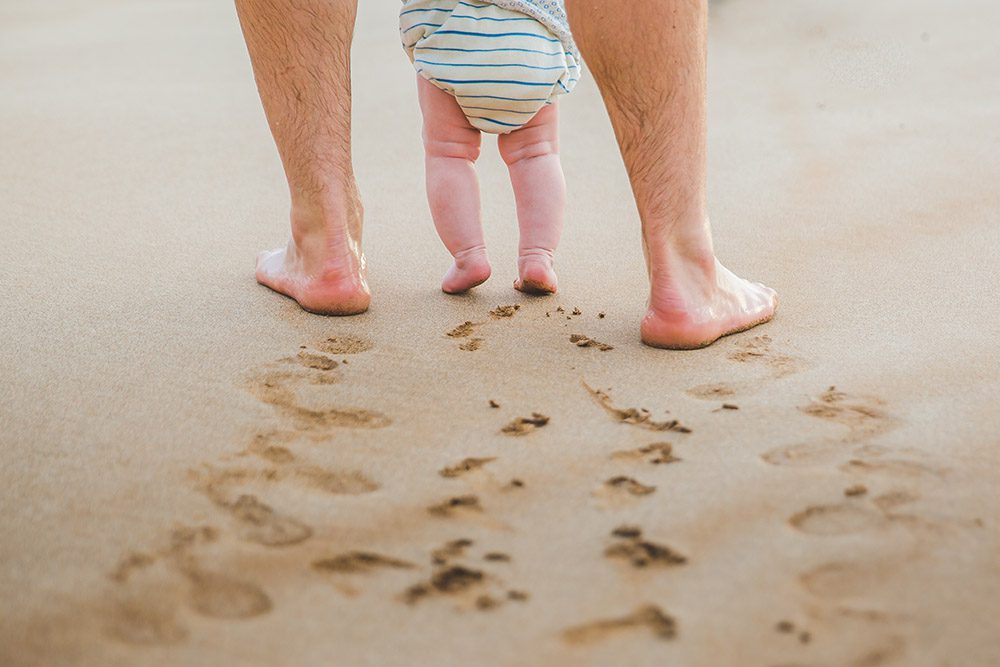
[471, 268]
[535, 273]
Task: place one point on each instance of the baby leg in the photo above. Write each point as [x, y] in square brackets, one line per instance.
[451, 147]
[532, 157]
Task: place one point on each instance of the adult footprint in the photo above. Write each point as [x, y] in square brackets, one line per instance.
[143, 624]
[841, 519]
[840, 579]
[900, 468]
[804, 454]
[222, 596]
[261, 524]
[649, 617]
[865, 417]
[758, 350]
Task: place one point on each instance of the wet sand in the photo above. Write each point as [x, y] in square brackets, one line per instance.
[195, 472]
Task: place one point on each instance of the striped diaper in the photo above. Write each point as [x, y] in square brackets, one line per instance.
[501, 64]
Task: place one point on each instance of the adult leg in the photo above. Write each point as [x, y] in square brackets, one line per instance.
[532, 157]
[451, 148]
[300, 50]
[648, 58]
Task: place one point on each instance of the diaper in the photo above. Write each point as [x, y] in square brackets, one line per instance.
[501, 63]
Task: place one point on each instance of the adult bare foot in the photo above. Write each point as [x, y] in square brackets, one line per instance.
[694, 303]
[326, 276]
[471, 268]
[536, 275]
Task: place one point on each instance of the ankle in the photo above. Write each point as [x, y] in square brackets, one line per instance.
[469, 256]
[535, 254]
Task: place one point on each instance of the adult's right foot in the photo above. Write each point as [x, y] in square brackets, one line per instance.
[693, 304]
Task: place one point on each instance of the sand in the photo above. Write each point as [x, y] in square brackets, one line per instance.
[196, 472]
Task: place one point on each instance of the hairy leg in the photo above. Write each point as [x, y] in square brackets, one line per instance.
[300, 50]
[648, 58]
[532, 157]
[451, 148]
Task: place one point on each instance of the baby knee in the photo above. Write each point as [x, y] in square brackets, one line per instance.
[514, 148]
[462, 147]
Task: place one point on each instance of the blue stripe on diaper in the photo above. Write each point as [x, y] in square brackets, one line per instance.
[496, 109]
[419, 11]
[417, 25]
[546, 53]
[500, 81]
[507, 99]
[490, 18]
[498, 122]
[428, 62]
[499, 34]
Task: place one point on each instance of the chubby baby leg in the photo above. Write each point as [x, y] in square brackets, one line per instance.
[451, 147]
[532, 157]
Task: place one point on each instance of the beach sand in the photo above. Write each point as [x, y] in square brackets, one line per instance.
[196, 472]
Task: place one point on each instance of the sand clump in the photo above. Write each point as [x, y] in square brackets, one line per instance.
[636, 416]
[630, 547]
[584, 341]
[525, 425]
[463, 330]
[501, 312]
[465, 466]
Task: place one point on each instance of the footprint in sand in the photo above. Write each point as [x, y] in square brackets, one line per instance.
[343, 345]
[503, 312]
[712, 392]
[468, 586]
[359, 562]
[465, 508]
[846, 579]
[757, 350]
[585, 341]
[342, 570]
[145, 622]
[620, 491]
[455, 506]
[525, 425]
[214, 482]
[865, 418]
[657, 453]
[897, 468]
[467, 328]
[259, 523]
[640, 417]
[278, 388]
[804, 454]
[890, 500]
[465, 466]
[629, 546]
[146, 612]
[219, 595]
[838, 519]
[649, 618]
[627, 485]
[471, 345]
